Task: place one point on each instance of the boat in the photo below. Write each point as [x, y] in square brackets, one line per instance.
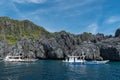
[81, 60]
[19, 58]
[74, 59]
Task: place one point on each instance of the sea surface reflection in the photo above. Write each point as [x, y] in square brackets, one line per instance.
[57, 70]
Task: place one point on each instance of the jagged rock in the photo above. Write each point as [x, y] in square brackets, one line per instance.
[110, 49]
[117, 33]
[39, 50]
[33, 41]
[3, 48]
[90, 51]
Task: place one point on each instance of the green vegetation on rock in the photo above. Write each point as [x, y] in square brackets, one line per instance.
[86, 36]
[15, 29]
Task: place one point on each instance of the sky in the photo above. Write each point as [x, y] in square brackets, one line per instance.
[74, 16]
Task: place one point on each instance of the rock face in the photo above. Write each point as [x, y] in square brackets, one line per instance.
[110, 49]
[54, 48]
[91, 51]
[64, 44]
[32, 41]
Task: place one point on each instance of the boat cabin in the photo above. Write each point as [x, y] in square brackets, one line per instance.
[74, 58]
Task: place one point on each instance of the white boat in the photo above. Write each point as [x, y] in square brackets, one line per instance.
[81, 60]
[18, 59]
[74, 59]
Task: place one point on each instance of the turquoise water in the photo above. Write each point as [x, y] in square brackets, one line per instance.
[57, 70]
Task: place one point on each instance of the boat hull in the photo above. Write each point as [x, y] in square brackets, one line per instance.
[20, 60]
[87, 62]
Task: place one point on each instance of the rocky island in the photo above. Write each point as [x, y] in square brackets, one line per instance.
[33, 41]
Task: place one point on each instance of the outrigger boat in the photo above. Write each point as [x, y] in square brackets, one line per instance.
[81, 60]
[97, 62]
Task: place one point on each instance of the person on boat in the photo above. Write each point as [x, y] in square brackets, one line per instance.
[78, 58]
[67, 58]
[82, 56]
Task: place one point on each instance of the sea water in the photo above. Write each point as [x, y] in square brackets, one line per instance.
[58, 70]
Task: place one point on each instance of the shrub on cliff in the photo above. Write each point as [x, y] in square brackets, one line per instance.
[86, 36]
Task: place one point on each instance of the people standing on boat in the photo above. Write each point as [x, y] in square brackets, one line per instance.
[82, 57]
